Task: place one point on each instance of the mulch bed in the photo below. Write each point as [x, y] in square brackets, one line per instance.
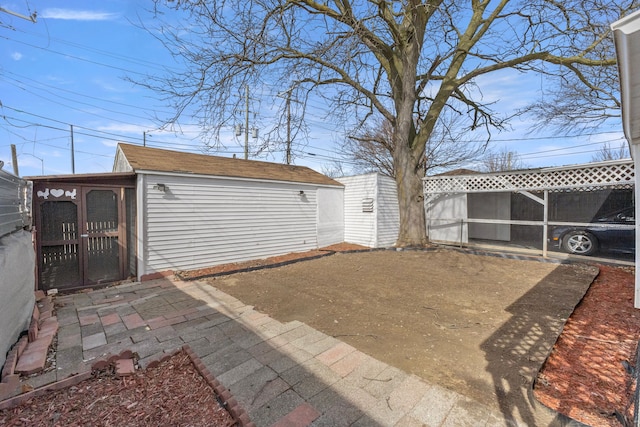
[588, 374]
[172, 393]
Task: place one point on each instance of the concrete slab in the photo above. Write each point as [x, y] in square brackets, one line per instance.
[258, 388]
[93, 341]
[240, 372]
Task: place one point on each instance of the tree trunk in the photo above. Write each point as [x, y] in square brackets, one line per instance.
[409, 174]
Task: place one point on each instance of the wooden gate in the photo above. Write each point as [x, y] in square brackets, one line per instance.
[83, 233]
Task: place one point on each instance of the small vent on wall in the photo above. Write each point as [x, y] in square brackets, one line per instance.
[367, 205]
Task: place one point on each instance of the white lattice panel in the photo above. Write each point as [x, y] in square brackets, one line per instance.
[587, 177]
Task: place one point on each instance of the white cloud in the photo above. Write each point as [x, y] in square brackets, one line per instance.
[123, 128]
[77, 15]
[16, 56]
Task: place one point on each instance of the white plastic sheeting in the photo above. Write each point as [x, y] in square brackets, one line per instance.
[17, 284]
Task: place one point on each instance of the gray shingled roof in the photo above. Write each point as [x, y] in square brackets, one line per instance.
[158, 160]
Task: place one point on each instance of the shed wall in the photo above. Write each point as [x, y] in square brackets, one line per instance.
[359, 226]
[201, 222]
[446, 218]
[330, 216]
[388, 214]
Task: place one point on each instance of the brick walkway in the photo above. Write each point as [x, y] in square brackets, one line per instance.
[283, 374]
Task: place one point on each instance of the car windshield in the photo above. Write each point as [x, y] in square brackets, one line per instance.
[625, 215]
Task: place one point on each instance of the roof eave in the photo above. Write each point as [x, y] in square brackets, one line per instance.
[626, 35]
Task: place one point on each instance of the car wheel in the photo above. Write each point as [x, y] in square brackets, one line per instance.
[580, 243]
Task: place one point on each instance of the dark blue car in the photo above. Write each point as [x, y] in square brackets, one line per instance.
[612, 233]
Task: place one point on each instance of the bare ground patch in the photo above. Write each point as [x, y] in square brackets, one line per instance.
[479, 325]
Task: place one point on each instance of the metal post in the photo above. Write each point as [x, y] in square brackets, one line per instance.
[289, 128]
[246, 123]
[73, 158]
[635, 151]
[545, 225]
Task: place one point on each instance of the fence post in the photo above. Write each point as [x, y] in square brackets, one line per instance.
[545, 225]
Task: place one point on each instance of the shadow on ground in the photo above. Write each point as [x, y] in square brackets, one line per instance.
[480, 326]
[516, 351]
[285, 372]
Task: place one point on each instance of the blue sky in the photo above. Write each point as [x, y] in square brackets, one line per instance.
[68, 68]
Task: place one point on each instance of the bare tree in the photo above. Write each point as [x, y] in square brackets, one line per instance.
[610, 153]
[290, 129]
[334, 170]
[585, 96]
[372, 149]
[502, 161]
[409, 62]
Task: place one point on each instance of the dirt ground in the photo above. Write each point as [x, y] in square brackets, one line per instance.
[479, 325]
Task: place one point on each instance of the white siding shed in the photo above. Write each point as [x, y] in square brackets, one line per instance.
[196, 211]
[371, 215]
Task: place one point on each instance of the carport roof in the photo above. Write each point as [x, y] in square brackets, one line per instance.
[585, 177]
[145, 159]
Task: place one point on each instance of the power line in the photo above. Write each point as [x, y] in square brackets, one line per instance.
[67, 55]
[125, 58]
[79, 102]
[157, 143]
[96, 133]
[110, 101]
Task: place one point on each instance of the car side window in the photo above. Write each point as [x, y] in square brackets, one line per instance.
[626, 217]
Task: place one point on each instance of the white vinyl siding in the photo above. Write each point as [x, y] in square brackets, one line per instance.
[446, 218]
[330, 216]
[388, 212]
[202, 222]
[379, 226]
[359, 226]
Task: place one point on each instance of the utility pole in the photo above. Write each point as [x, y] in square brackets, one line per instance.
[238, 127]
[73, 154]
[246, 123]
[288, 108]
[289, 127]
